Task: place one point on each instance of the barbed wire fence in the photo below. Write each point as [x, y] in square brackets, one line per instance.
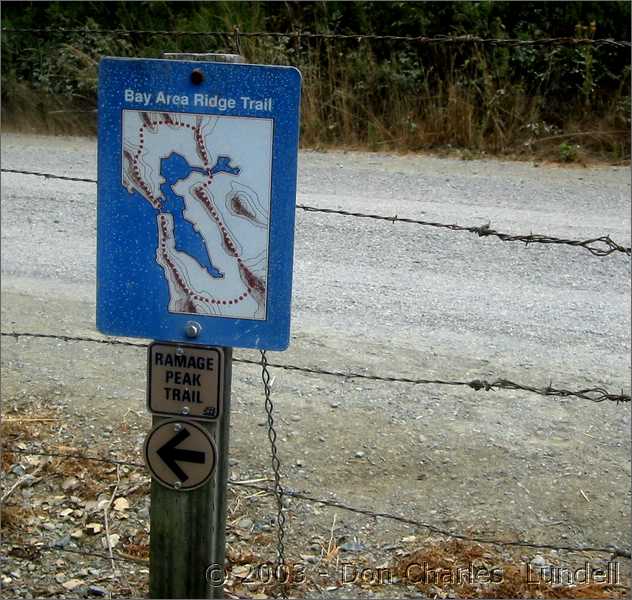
[611, 549]
[593, 394]
[599, 246]
[307, 35]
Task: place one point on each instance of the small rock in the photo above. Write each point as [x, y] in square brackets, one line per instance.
[538, 561]
[93, 528]
[66, 513]
[71, 584]
[310, 558]
[299, 463]
[295, 418]
[245, 523]
[334, 404]
[409, 539]
[359, 454]
[62, 542]
[241, 571]
[28, 481]
[114, 539]
[352, 547]
[121, 504]
[70, 484]
[95, 590]
[76, 534]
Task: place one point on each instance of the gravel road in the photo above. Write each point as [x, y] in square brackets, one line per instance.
[388, 299]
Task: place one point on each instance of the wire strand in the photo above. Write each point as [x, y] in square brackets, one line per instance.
[609, 549]
[358, 37]
[597, 246]
[594, 394]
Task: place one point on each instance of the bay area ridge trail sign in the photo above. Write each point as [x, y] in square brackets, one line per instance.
[196, 200]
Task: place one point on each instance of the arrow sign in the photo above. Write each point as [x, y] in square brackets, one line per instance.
[176, 467]
[170, 454]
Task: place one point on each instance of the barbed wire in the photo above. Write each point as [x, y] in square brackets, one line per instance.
[593, 394]
[607, 245]
[609, 549]
[598, 246]
[88, 553]
[49, 175]
[419, 39]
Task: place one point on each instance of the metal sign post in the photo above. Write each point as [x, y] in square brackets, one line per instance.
[195, 233]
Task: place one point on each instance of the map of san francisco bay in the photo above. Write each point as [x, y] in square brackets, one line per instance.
[208, 179]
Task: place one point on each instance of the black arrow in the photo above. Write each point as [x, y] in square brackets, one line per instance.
[170, 454]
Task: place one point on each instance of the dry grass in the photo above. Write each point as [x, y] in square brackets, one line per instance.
[25, 426]
[356, 100]
[14, 515]
[31, 111]
[427, 565]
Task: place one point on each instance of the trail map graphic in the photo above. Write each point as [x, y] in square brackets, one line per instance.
[208, 179]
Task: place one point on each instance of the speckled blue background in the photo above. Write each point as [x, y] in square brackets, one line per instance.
[132, 292]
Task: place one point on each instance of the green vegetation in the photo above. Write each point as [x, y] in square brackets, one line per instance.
[558, 101]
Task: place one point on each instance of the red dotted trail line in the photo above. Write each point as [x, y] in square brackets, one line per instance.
[199, 192]
[252, 281]
[180, 280]
[138, 179]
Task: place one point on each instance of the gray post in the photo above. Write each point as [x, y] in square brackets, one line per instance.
[187, 534]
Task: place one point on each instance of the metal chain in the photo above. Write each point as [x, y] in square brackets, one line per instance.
[279, 564]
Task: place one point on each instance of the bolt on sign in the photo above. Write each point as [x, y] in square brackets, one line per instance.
[181, 455]
[184, 380]
[196, 201]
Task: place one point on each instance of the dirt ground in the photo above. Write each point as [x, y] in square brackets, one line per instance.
[504, 465]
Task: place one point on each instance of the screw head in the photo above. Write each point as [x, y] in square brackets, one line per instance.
[179, 351]
[192, 329]
[177, 427]
[177, 484]
[197, 77]
[185, 410]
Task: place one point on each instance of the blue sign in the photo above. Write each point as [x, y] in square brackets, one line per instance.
[196, 200]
